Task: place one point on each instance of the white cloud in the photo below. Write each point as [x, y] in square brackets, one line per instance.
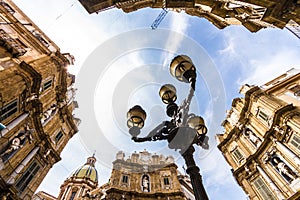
[230, 49]
[259, 57]
[179, 23]
[272, 66]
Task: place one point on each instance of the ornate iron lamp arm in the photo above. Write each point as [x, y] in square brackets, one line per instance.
[161, 132]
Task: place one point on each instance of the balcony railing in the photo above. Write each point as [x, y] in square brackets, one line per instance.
[7, 7]
[12, 45]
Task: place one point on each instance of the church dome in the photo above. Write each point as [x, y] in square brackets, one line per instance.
[87, 171]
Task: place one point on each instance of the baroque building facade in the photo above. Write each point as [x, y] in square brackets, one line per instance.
[261, 141]
[252, 14]
[142, 176]
[36, 103]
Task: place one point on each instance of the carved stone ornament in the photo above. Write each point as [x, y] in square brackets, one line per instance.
[284, 132]
[251, 136]
[16, 143]
[48, 113]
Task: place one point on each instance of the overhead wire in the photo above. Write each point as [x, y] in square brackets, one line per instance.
[62, 14]
[65, 11]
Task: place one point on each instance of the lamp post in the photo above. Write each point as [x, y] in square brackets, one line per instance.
[184, 129]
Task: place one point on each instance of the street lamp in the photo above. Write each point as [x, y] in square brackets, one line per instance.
[184, 129]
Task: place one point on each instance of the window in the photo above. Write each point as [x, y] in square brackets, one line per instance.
[9, 109]
[295, 141]
[58, 136]
[263, 190]
[166, 181]
[27, 176]
[296, 90]
[239, 157]
[47, 85]
[7, 7]
[125, 179]
[40, 38]
[263, 115]
[73, 195]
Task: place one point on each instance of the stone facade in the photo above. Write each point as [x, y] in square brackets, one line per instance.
[252, 14]
[142, 176]
[261, 141]
[36, 103]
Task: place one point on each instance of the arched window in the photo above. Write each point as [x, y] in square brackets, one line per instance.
[125, 179]
[166, 181]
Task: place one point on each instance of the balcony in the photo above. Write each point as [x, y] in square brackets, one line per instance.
[7, 7]
[14, 46]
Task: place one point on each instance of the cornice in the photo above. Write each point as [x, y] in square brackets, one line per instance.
[37, 77]
[283, 84]
[134, 166]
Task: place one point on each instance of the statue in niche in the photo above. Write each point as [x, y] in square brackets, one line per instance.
[252, 137]
[145, 183]
[283, 169]
[16, 143]
[48, 113]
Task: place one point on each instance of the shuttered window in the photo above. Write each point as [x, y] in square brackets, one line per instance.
[238, 156]
[263, 189]
[295, 141]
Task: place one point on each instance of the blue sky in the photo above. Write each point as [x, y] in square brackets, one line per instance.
[225, 59]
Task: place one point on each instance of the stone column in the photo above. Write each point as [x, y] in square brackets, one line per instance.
[79, 194]
[14, 123]
[288, 152]
[65, 193]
